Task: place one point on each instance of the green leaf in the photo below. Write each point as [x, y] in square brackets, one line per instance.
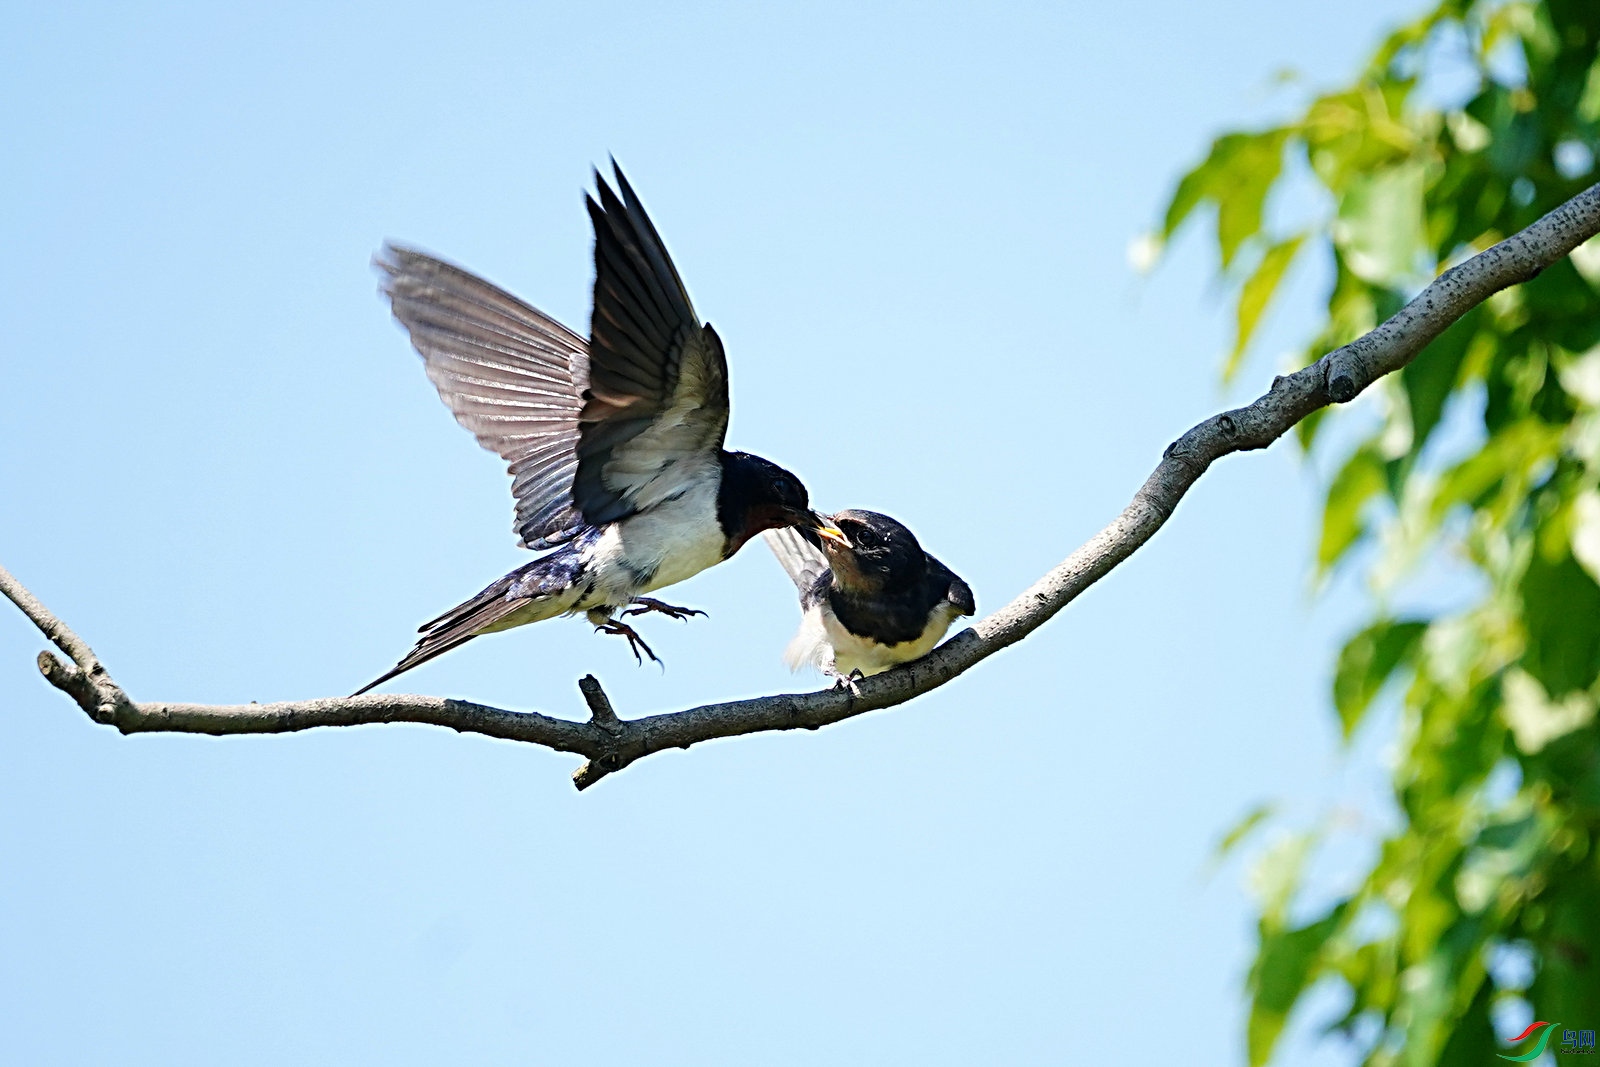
[1241, 829]
[1366, 663]
[1561, 609]
[1571, 936]
[1305, 431]
[1192, 189]
[1586, 532]
[1503, 546]
[1276, 875]
[1472, 1034]
[1430, 377]
[1236, 176]
[1512, 456]
[1534, 719]
[1380, 225]
[1256, 294]
[1284, 963]
[1357, 132]
[1358, 481]
[1589, 104]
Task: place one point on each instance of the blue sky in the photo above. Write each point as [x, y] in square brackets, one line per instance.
[222, 465]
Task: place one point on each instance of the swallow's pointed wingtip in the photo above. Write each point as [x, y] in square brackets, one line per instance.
[395, 251]
[623, 184]
[619, 179]
[388, 261]
[592, 200]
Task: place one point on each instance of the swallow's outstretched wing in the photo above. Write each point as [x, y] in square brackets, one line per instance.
[593, 431]
[656, 407]
[508, 372]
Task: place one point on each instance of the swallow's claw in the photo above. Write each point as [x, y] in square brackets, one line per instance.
[635, 642]
[848, 681]
[643, 605]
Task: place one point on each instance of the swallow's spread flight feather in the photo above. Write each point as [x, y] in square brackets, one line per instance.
[870, 597]
[614, 444]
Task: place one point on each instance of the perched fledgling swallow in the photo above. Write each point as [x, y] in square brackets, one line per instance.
[870, 597]
[614, 444]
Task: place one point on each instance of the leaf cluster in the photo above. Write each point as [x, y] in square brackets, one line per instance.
[1484, 464]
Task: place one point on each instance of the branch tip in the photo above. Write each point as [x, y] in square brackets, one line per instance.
[55, 672]
[592, 771]
[601, 713]
[1341, 385]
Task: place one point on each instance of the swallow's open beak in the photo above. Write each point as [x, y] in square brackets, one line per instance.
[826, 530]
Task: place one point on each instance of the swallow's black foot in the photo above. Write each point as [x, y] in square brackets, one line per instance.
[643, 605]
[635, 642]
[848, 681]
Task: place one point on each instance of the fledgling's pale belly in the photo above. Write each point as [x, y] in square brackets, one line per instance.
[823, 642]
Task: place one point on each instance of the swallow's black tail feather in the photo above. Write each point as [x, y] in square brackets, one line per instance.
[460, 626]
[521, 589]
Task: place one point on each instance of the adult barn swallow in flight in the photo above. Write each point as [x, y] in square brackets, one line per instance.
[870, 597]
[614, 445]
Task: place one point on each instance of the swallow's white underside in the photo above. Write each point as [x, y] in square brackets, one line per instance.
[669, 543]
[824, 643]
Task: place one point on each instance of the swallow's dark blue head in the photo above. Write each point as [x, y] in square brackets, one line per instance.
[874, 553]
[757, 494]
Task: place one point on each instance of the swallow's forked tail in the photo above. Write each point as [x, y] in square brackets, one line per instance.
[528, 594]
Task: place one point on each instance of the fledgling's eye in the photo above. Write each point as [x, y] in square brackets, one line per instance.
[866, 538]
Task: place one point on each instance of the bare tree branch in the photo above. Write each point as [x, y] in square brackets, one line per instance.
[610, 743]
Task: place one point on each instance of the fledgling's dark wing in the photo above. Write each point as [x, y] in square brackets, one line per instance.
[957, 592]
[657, 401]
[802, 561]
[508, 372]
